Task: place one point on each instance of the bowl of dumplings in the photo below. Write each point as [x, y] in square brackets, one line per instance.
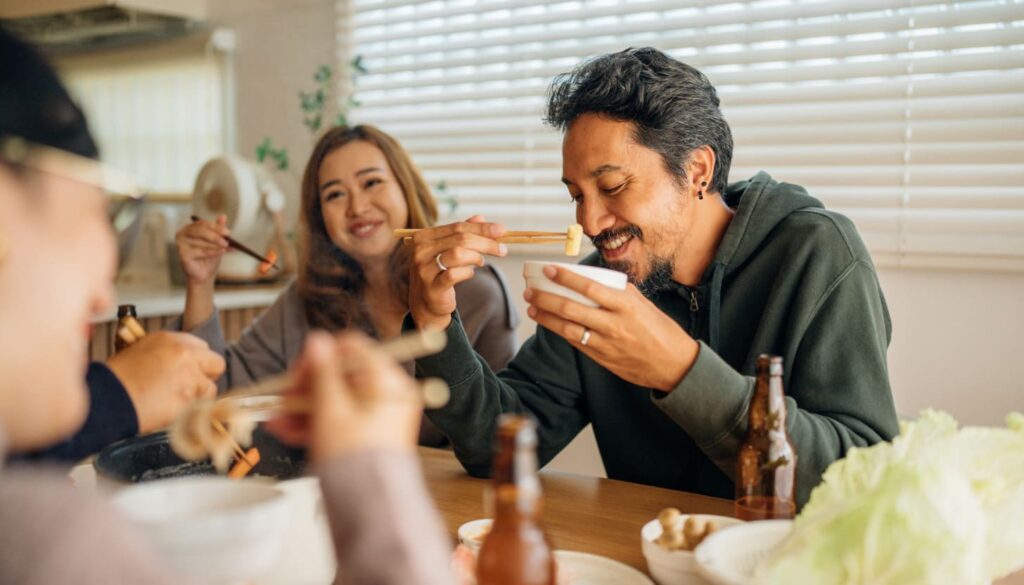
[669, 540]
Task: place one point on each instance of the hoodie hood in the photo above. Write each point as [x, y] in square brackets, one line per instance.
[761, 203]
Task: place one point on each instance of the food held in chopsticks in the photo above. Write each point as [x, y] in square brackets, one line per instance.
[574, 240]
[573, 237]
[269, 263]
[244, 465]
[212, 429]
[217, 428]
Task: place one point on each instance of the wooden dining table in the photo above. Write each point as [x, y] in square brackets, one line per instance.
[582, 513]
[589, 514]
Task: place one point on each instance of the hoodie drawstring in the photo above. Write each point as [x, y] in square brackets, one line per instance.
[715, 298]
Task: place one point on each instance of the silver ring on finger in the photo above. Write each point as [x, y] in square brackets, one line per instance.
[440, 265]
[585, 338]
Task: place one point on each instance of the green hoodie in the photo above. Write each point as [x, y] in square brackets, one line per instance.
[789, 278]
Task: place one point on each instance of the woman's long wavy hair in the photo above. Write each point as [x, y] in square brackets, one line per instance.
[331, 283]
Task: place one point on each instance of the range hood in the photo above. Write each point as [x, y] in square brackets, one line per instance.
[74, 25]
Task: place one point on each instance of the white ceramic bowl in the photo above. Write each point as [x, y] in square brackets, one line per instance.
[671, 567]
[473, 533]
[210, 528]
[533, 271]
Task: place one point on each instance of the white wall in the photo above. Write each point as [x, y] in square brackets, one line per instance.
[958, 342]
[280, 44]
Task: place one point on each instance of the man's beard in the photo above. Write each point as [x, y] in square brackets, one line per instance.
[659, 277]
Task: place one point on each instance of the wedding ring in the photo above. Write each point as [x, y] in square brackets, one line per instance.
[586, 336]
[440, 265]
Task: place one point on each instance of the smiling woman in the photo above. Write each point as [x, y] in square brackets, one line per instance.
[359, 185]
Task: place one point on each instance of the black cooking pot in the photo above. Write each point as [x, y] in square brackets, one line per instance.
[150, 457]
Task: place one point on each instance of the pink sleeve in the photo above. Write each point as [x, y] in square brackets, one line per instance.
[385, 527]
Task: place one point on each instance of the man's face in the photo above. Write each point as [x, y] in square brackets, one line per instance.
[634, 210]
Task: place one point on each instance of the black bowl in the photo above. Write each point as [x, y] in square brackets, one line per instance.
[150, 457]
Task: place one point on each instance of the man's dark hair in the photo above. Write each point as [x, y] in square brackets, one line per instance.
[673, 106]
[34, 105]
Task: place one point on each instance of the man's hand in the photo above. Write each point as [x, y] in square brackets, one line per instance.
[163, 372]
[374, 404]
[628, 334]
[459, 248]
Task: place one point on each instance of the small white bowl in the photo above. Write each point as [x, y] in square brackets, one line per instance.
[533, 271]
[670, 567]
[473, 533]
[210, 528]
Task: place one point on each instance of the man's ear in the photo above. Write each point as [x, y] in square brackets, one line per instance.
[700, 168]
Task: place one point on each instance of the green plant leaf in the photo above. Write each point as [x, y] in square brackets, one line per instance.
[281, 156]
[262, 149]
[358, 66]
[452, 202]
[341, 119]
[322, 75]
[314, 122]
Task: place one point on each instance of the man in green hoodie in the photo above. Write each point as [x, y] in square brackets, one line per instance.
[719, 274]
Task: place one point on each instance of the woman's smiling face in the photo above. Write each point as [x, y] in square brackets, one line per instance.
[361, 201]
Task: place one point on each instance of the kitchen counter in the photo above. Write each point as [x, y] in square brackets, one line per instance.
[158, 304]
[159, 300]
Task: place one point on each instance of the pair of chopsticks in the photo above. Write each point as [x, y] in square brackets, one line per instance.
[433, 392]
[573, 237]
[131, 332]
[513, 237]
[245, 249]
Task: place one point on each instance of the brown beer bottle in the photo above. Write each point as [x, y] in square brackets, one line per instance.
[516, 551]
[766, 473]
[123, 313]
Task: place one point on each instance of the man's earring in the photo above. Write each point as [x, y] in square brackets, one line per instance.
[700, 193]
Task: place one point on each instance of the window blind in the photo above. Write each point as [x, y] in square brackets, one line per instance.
[908, 116]
[157, 117]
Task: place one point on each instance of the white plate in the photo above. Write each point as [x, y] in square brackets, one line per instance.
[729, 556]
[588, 569]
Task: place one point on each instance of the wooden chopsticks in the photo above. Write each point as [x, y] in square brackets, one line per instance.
[245, 249]
[561, 236]
[573, 237]
[434, 392]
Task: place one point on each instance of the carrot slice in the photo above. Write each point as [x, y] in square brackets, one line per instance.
[271, 259]
[244, 466]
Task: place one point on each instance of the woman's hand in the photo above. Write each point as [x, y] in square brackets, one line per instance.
[201, 245]
[359, 399]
